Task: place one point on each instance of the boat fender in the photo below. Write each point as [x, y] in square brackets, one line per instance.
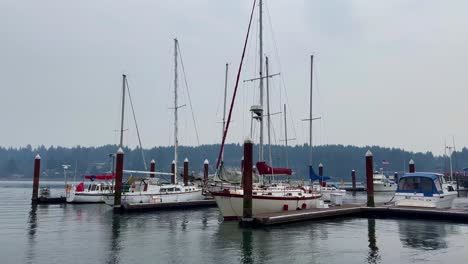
[285, 207]
[304, 206]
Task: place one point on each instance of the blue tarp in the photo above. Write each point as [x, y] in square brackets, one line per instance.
[313, 176]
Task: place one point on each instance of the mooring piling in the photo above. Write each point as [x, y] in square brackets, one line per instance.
[370, 178]
[411, 166]
[186, 172]
[118, 179]
[173, 177]
[320, 171]
[37, 172]
[353, 180]
[247, 216]
[152, 168]
[205, 172]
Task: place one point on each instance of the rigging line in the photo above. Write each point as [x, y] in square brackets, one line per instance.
[188, 94]
[136, 125]
[235, 88]
[280, 67]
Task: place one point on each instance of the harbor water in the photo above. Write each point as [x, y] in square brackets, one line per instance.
[92, 233]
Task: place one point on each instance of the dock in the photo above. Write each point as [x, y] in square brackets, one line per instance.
[139, 207]
[380, 211]
[51, 200]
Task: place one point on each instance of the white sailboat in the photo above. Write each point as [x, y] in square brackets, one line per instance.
[153, 190]
[94, 191]
[265, 199]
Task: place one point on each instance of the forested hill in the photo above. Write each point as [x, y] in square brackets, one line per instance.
[338, 160]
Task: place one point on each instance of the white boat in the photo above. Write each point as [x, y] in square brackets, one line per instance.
[93, 192]
[328, 191]
[383, 184]
[153, 192]
[230, 201]
[422, 189]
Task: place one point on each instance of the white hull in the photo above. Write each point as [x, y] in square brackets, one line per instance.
[231, 207]
[385, 187]
[85, 197]
[326, 194]
[419, 200]
[134, 198]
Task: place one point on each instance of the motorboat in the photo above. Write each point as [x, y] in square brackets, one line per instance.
[422, 189]
[382, 183]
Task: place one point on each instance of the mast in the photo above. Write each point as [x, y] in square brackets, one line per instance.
[286, 137]
[176, 142]
[124, 81]
[224, 110]
[268, 113]
[310, 110]
[260, 151]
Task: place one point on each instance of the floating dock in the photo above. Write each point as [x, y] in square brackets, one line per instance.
[380, 211]
[50, 200]
[167, 206]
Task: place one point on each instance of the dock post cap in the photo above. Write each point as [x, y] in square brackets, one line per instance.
[173, 161]
[153, 161]
[120, 151]
[206, 161]
[368, 153]
[242, 158]
[320, 165]
[352, 170]
[185, 160]
[37, 156]
[248, 140]
[411, 161]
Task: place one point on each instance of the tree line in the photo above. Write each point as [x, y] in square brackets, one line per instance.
[337, 160]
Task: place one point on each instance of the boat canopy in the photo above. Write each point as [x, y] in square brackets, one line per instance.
[420, 182]
[313, 176]
[101, 177]
[265, 169]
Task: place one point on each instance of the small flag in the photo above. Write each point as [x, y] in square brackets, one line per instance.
[384, 162]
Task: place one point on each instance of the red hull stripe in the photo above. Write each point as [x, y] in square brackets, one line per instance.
[261, 197]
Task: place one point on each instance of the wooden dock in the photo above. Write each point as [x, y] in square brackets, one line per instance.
[167, 206]
[380, 211]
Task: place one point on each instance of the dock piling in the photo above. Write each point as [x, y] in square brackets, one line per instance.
[353, 180]
[411, 166]
[370, 178]
[395, 177]
[152, 168]
[118, 179]
[37, 171]
[320, 171]
[247, 216]
[173, 177]
[185, 172]
[205, 172]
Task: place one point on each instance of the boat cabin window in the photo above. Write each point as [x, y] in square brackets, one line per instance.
[177, 189]
[419, 184]
[438, 185]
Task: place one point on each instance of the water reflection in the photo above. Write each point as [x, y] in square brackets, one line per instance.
[32, 229]
[115, 240]
[423, 235]
[373, 256]
[246, 246]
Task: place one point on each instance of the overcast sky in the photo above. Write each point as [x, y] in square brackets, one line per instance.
[389, 73]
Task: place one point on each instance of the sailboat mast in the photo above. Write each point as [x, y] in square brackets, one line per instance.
[224, 110]
[268, 113]
[124, 81]
[286, 137]
[176, 142]
[260, 151]
[310, 110]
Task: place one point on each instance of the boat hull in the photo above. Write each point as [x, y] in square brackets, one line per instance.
[388, 187]
[418, 200]
[231, 205]
[85, 197]
[134, 198]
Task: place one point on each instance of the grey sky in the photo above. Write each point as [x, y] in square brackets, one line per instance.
[389, 73]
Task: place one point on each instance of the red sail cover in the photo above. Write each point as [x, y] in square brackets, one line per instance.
[265, 169]
[100, 177]
[80, 187]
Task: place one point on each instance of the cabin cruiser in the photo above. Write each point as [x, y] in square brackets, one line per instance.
[92, 192]
[422, 189]
[382, 183]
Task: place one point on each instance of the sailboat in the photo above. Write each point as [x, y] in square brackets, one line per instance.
[265, 199]
[154, 190]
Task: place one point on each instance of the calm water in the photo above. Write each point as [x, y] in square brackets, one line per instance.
[93, 234]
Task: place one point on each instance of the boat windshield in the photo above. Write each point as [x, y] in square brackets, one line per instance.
[418, 184]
